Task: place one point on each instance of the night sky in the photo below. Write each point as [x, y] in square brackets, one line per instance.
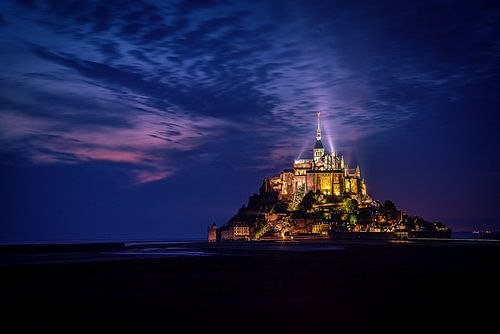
[152, 119]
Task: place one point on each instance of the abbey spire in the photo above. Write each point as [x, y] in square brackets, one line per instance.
[318, 150]
[318, 130]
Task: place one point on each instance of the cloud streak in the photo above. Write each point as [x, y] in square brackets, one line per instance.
[136, 83]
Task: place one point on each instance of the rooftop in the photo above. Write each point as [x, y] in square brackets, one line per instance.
[318, 144]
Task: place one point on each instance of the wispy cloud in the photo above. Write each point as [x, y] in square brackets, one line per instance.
[129, 132]
[136, 82]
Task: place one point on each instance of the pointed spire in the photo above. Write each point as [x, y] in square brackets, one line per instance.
[318, 130]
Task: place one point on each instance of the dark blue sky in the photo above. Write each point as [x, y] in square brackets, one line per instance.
[147, 120]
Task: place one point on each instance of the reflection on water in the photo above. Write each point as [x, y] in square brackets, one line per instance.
[99, 255]
[160, 252]
[154, 250]
[136, 250]
[400, 241]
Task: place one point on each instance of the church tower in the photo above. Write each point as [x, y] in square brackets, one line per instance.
[318, 150]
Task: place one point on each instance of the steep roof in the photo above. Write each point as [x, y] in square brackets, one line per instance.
[318, 144]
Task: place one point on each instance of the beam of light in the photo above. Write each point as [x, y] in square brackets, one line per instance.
[325, 122]
[305, 146]
[329, 140]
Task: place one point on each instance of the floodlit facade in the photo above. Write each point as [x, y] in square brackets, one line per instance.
[325, 172]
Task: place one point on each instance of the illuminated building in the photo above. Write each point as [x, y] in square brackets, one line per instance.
[326, 172]
[212, 233]
[237, 231]
[241, 231]
[322, 198]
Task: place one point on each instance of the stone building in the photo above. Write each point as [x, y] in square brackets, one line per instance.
[270, 212]
[212, 233]
[325, 172]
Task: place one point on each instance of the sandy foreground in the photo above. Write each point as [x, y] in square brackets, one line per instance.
[316, 287]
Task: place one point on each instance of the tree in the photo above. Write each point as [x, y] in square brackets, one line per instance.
[389, 206]
[353, 219]
[280, 207]
[389, 210]
[365, 216]
[307, 202]
[350, 205]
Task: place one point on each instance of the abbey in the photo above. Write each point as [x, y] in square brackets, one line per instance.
[320, 197]
[326, 172]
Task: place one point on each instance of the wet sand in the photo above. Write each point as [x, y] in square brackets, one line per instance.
[322, 287]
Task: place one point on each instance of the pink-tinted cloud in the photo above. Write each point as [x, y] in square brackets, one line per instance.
[145, 176]
[145, 145]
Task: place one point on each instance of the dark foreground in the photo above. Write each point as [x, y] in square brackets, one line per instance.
[335, 287]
